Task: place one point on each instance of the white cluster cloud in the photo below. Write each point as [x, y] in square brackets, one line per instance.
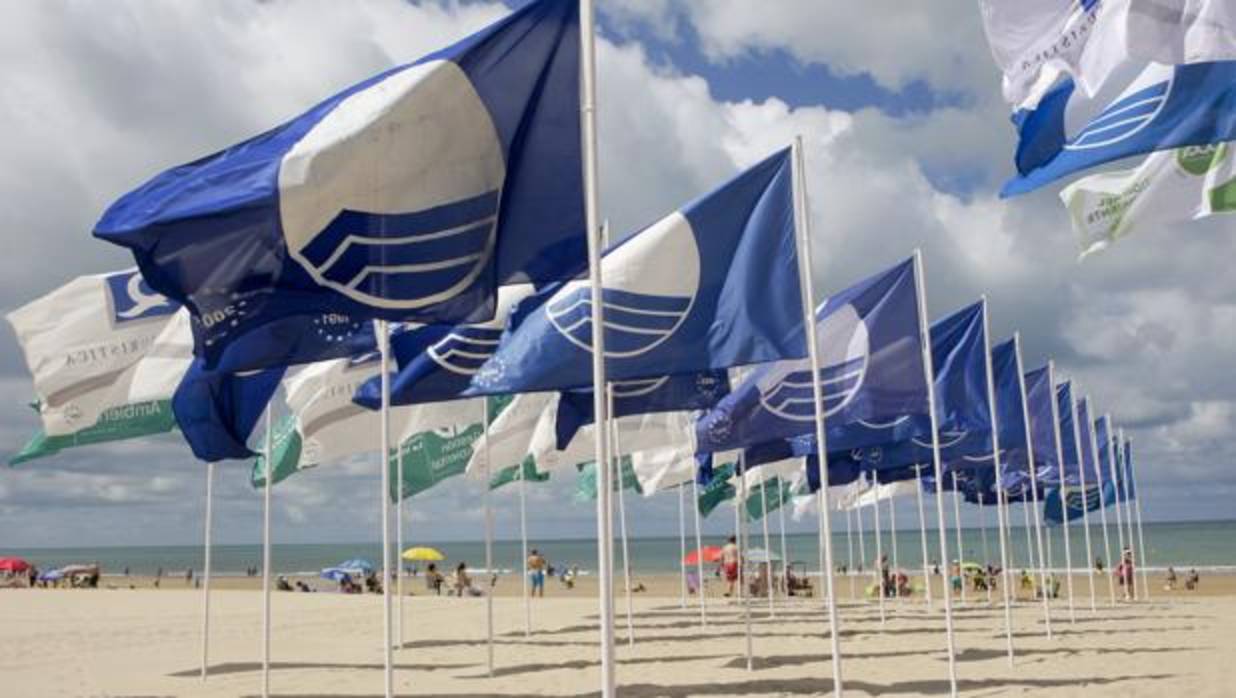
[101, 96]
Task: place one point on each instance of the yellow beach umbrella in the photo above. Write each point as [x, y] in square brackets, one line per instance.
[423, 554]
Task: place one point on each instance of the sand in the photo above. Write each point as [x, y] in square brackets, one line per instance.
[147, 643]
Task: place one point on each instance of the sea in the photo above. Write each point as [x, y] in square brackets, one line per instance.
[1208, 546]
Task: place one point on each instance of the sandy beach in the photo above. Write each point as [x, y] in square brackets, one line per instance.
[123, 642]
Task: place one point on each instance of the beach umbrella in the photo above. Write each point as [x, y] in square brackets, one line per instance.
[709, 553]
[71, 570]
[423, 554]
[51, 576]
[761, 556]
[356, 565]
[13, 564]
[335, 574]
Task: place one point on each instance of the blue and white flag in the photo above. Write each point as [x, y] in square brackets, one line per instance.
[1070, 469]
[679, 296]
[218, 411]
[688, 391]
[1092, 474]
[1078, 500]
[436, 363]
[871, 375]
[410, 196]
[1148, 108]
[1102, 442]
[1039, 399]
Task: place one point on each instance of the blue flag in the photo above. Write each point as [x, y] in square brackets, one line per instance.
[217, 411]
[1039, 401]
[1077, 500]
[1127, 450]
[1093, 476]
[679, 296]
[1070, 469]
[1102, 441]
[1010, 417]
[410, 196]
[688, 391]
[871, 375]
[1158, 108]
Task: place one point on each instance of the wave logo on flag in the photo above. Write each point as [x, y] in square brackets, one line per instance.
[787, 391]
[644, 305]
[948, 439]
[465, 349]
[1133, 110]
[132, 299]
[402, 236]
[1079, 501]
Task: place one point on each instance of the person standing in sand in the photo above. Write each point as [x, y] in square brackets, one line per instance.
[729, 564]
[536, 573]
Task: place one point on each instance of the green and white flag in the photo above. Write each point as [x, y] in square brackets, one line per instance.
[586, 485]
[720, 489]
[1170, 186]
[106, 354]
[774, 494]
[285, 446]
[525, 471]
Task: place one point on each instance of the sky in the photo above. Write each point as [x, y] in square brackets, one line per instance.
[907, 142]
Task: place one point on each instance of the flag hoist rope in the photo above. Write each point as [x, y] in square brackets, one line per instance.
[807, 286]
[1068, 550]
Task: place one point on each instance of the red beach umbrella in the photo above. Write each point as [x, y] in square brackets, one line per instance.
[13, 564]
[711, 553]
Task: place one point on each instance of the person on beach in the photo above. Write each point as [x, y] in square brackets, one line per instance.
[1171, 579]
[729, 565]
[1125, 573]
[462, 582]
[1193, 581]
[189, 577]
[536, 564]
[433, 579]
[1098, 565]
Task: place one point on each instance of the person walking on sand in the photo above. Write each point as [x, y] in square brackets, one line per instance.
[536, 573]
[729, 565]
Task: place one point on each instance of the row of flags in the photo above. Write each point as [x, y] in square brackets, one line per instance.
[1091, 82]
[417, 197]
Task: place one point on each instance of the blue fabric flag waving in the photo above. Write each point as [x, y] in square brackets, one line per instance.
[1127, 451]
[1102, 441]
[1039, 397]
[217, 411]
[1093, 477]
[871, 374]
[687, 391]
[409, 196]
[1070, 469]
[1077, 501]
[712, 286]
[1153, 107]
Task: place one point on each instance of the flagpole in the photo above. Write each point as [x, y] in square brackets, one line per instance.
[785, 558]
[266, 562]
[1116, 489]
[1141, 535]
[807, 284]
[489, 543]
[960, 549]
[1025, 524]
[1001, 518]
[699, 554]
[682, 547]
[1034, 484]
[622, 523]
[879, 566]
[1098, 469]
[740, 530]
[892, 523]
[922, 528]
[986, 553]
[399, 538]
[772, 613]
[849, 544]
[862, 550]
[587, 55]
[384, 347]
[1123, 482]
[1064, 505]
[1081, 467]
[206, 545]
[523, 542]
[929, 368]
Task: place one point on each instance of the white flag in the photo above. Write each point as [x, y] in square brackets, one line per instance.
[1170, 186]
[1034, 42]
[510, 434]
[102, 343]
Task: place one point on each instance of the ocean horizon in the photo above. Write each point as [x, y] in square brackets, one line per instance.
[1206, 545]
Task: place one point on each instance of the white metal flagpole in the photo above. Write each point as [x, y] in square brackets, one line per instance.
[740, 530]
[960, 549]
[682, 547]
[785, 558]
[1141, 534]
[1064, 505]
[1000, 513]
[523, 546]
[206, 545]
[588, 127]
[399, 539]
[699, 554]
[1098, 469]
[622, 524]
[1025, 524]
[1123, 481]
[879, 556]
[849, 544]
[1034, 484]
[807, 285]
[1111, 467]
[384, 347]
[892, 536]
[922, 529]
[266, 559]
[489, 543]
[772, 613]
[986, 553]
[929, 369]
[1081, 467]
